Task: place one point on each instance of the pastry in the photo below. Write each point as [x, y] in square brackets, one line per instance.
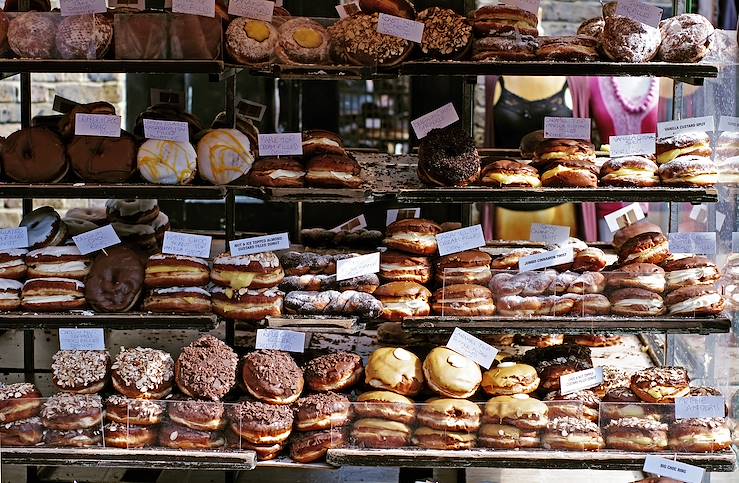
[34, 155]
[448, 157]
[397, 8]
[689, 171]
[592, 340]
[592, 27]
[589, 260]
[527, 283]
[648, 247]
[400, 267]
[518, 306]
[63, 261]
[471, 266]
[503, 436]
[570, 173]
[115, 280]
[396, 370]
[446, 34]
[75, 438]
[646, 276]
[118, 435]
[683, 144]
[195, 36]
[278, 173]
[695, 301]
[660, 384]
[143, 373]
[425, 437]
[685, 38]
[67, 412]
[197, 415]
[553, 362]
[581, 404]
[636, 434]
[543, 340]
[18, 402]
[333, 171]
[140, 238]
[506, 47]
[450, 375]
[576, 48]
[380, 433]
[355, 40]
[163, 270]
[313, 446]
[184, 300]
[206, 369]
[176, 436]
[319, 141]
[53, 294]
[508, 378]
[628, 40]
[76, 226]
[519, 410]
[692, 270]
[302, 41]
[700, 435]
[80, 371]
[572, 434]
[403, 299]
[258, 270]
[636, 302]
[587, 283]
[493, 20]
[224, 155]
[338, 371]
[24, 432]
[631, 231]
[12, 264]
[84, 36]
[412, 235]
[97, 216]
[250, 41]
[132, 212]
[260, 423]
[385, 405]
[10, 294]
[272, 377]
[463, 300]
[552, 149]
[32, 35]
[509, 174]
[629, 171]
[321, 411]
[332, 302]
[167, 162]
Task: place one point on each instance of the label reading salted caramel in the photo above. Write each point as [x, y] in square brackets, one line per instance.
[470, 346]
[567, 128]
[633, 145]
[256, 9]
[259, 244]
[186, 244]
[82, 7]
[549, 234]
[357, 266]
[692, 124]
[699, 242]
[82, 339]
[551, 258]
[581, 380]
[286, 144]
[626, 216]
[352, 225]
[400, 27]
[673, 469]
[13, 238]
[439, 118]
[280, 340]
[98, 239]
[460, 240]
[528, 5]
[97, 125]
[401, 214]
[700, 407]
[204, 8]
[641, 12]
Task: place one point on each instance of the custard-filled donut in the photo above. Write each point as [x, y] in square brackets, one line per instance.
[84, 36]
[260, 423]
[18, 402]
[660, 384]
[224, 155]
[396, 370]
[401, 267]
[508, 378]
[74, 438]
[12, 264]
[302, 41]
[425, 437]
[119, 435]
[246, 304]
[448, 414]
[700, 435]
[115, 280]
[100, 159]
[45, 227]
[495, 20]
[53, 294]
[10, 294]
[322, 411]
[581, 404]
[62, 261]
[385, 405]
[164, 270]
[67, 412]
[272, 376]
[136, 412]
[413, 235]
[23, 432]
[132, 212]
[143, 373]
[174, 436]
[503, 436]
[258, 270]
[338, 371]
[32, 35]
[167, 162]
[250, 41]
[80, 371]
[518, 410]
[572, 434]
[448, 157]
[198, 415]
[183, 300]
[313, 446]
[636, 434]
[206, 369]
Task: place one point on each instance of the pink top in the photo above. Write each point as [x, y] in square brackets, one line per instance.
[615, 115]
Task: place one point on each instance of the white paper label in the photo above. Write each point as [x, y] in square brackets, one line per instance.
[735, 242]
[550, 234]
[167, 130]
[700, 407]
[460, 240]
[280, 340]
[357, 266]
[162, 96]
[628, 215]
[186, 244]
[547, 259]
[641, 12]
[97, 125]
[470, 346]
[82, 7]
[567, 128]
[13, 238]
[441, 117]
[528, 5]
[400, 27]
[348, 9]
[700, 242]
[720, 219]
[250, 109]
[673, 469]
[287, 144]
[728, 123]
[693, 124]
[402, 214]
[352, 225]
[137, 4]
[257, 9]
[82, 339]
[581, 380]
[98, 239]
[204, 8]
[259, 244]
[633, 145]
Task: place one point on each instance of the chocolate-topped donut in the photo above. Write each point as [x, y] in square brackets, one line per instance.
[448, 157]
[80, 371]
[18, 401]
[34, 155]
[272, 376]
[206, 369]
[321, 411]
[45, 227]
[198, 415]
[173, 435]
[143, 373]
[24, 432]
[334, 372]
[101, 159]
[138, 412]
[74, 438]
[66, 412]
[313, 446]
[115, 280]
[118, 435]
[260, 423]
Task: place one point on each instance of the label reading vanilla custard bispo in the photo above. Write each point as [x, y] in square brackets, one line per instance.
[692, 124]
[177, 131]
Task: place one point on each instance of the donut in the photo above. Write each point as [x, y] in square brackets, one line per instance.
[10, 294]
[518, 410]
[250, 41]
[141, 238]
[587, 283]
[63, 261]
[689, 171]
[75, 438]
[380, 433]
[450, 414]
[246, 304]
[695, 301]
[592, 27]
[509, 174]
[470, 266]
[403, 299]
[685, 38]
[508, 378]
[553, 149]
[321, 411]
[319, 141]
[272, 376]
[572, 434]
[503, 436]
[258, 270]
[167, 162]
[629, 171]
[224, 155]
[45, 227]
[160, 225]
[117, 435]
[660, 384]
[692, 143]
[264, 452]
[694, 270]
[12, 264]
[385, 405]
[463, 300]
[76, 226]
[115, 280]
[313, 446]
[396, 370]
[278, 173]
[649, 247]
[396, 266]
[646, 276]
[636, 434]
[198, 415]
[446, 34]
[53, 294]
[84, 36]
[23, 432]
[637, 302]
[333, 171]
[174, 436]
[553, 362]
[206, 369]
[613, 377]
[450, 374]
[66, 125]
[260, 423]
[302, 41]
[700, 435]
[100, 159]
[397, 8]
[623, 403]
[572, 48]
[588, 304]
[136, 412]
[355, 40]
[33, 35]
[164, 270]
[425, 437]
[570, 173]
[182, 300]
[494, 20]
[80, 371]
[18, 402]
[543, 340]
[69, 412]
[34, 155]
[628, 40]
[338, 371]
[413, 235]
[448, 157]
[98, 216]
[581, 404]
[143, 373]
[529, 283]
[132, 212]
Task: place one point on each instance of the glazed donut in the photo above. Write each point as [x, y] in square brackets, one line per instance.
[458, 415]
[132, 212]
[80, 371]
[84, 36]
[18, 402]
[23, 432]
[32, 35]
[385, 405]
[636, 434]
[272, 376]
[163, 271]
[250, 41]
[10, 294]
[62, 261]
[425, 437]
[129, 436]
[115, 280]
[224, 155]
[52, 294]
[143, 373]
[197, 415]
[502, 436]
[401, 267]
[167, 162]
[174, 436]
[508, 378]
[206, 369]
[313, 446]
[628, 40]
[380, 433]
[100, 159]
[572, 434]
[519, 410]
[76, 438]
[450, 374]
[448, 157]
[260, 423]
[322, 411]
[69, 412]
[12, 264]
[136, 412]
[338, 371]
[396, 370]
[45, 228]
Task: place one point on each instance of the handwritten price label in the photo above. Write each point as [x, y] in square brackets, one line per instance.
[641, 12]
[288, 144]
[95, 240]
[256, 9]
[700, 407]
[97, 125]
[633, 145]
[728, 123]
[14, 238]
[400, 27]
[186, 244]
[259, 244]
[357, 266]
[82, 7]
[693, 124]
[204, 8]
[700, 242]
[550, 234]
[167, 130]
[581, 380]
[460, 240]
[81, 339]
[470, 346]
[280, 340]
[528, 5]
[441, 117]
[567, 128]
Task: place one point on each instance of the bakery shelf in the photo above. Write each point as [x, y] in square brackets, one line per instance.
[127, 321]
[159, 458]
[320, 72]
[312, 195]
[569, 325]
[104, 191]
[18, 66]
[541, 459]
[286, 463]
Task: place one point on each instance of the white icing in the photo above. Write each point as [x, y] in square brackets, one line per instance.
[323, 141]
[649, 303]
[410, 304]
[285, 173]
[125, 230]
[54, 252]
[197, 290]
[160, 221]
[12, 263]
[130, 207]
[14, 252]
[167, 162]
[61, 267]
[679, 276]
[387, 267]
[9, 296]
[224, 155]
[161, 256]
[7, 284]
[47, 299]
[414, 237]
[229, 292]
[695, 303]
[266, 259]
[78, 284]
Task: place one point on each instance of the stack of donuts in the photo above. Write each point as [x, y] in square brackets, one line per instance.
[685, 160]
[177, 284]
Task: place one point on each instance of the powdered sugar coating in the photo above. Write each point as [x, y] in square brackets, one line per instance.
[32, 35]
[7, 284]
[685, 38]
[627, 40]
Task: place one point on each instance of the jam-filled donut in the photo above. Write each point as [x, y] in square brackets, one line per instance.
[24, 432]
[68, 412]
[10, 294]
[18, 401]
[45, 227]
[206, 369]
[12, 264]
[143, 373]
[272, 376]
[133, 212]
[75, 438]
[34, 155]
[115, 280]
[119, 435]
[338, 371]
[260, 423]
[198, 415]
[136, 412]
[174, 436]
[80, 371]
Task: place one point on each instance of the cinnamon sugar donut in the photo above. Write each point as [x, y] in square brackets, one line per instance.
[685, 38]
[143, 373]
[628, 40]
